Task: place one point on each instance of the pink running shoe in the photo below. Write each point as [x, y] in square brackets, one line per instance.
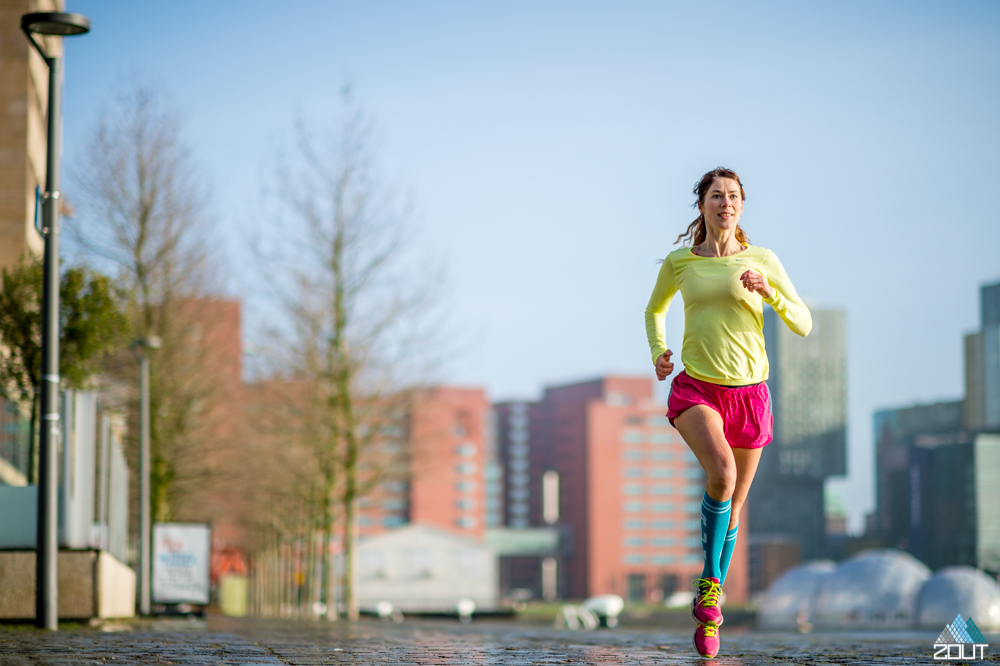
[706, 640]
[705, 605]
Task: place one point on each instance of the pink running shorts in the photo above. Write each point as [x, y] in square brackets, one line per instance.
[745, 410]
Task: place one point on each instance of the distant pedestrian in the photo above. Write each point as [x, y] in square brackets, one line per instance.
[719, 403]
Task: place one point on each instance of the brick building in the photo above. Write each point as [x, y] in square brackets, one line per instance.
[452, 476]
[607, 468]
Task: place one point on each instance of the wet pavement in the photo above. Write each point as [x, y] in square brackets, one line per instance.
[250, 641]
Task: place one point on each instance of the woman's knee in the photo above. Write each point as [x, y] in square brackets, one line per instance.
[721, 481]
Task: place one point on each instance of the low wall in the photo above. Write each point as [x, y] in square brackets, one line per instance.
[92, 583]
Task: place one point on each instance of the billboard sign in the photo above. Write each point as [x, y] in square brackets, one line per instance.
[181, 559]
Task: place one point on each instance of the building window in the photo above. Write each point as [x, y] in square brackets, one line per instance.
[632, 436]
[633, 507]
[467, 522]
[692, 542]
[632, 489]
[664, 559]
[632, 454]
[519, 479]
[690, 456]
[394, 504]
[661, 490]
[694, 491]
[663, 507]
[663, 524]
[693, 558]
[633, 558]
[467, 450]
[632, 542]
[633, 420]
[636, 585]
[519, 494]
[466, 486]
[518, 509]
[393, 521]
[694, 473]
[692, 507]
[466, 468]
[661, 438]
[634, 524]
[661, 472]
[632, 472]
[658, 421]
[661, 455]
[465, 503]
[693, 524]
[663, 542]
[550, 496]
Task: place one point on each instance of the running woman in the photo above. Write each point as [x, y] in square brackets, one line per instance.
[719, 403]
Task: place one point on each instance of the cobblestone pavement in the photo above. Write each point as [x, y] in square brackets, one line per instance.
[250, 642]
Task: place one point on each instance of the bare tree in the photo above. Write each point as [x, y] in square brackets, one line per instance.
[359, 307]
[142, 215]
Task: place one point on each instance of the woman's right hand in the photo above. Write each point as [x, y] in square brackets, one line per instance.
[664, 368]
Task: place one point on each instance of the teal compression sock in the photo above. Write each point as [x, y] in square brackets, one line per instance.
[714, 521]
[727, 552]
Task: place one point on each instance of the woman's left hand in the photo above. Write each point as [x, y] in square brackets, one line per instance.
[755, 282]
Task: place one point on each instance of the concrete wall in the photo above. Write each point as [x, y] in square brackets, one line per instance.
[91, 584]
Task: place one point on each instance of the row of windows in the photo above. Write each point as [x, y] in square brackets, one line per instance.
[651, 421]
[660, 507]
[662, 489]
[639, 436]
[639, 524]
[662, 472]
[661, 542]
[636, 558]
[387, 521]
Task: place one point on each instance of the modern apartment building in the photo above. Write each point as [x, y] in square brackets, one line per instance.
[808, 386]
[607, 469]
[938, 486]
[982, 365]
[452, 480]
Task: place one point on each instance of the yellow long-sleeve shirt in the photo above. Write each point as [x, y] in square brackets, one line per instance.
[723, 322]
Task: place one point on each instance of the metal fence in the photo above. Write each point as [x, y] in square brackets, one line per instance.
[93, 484]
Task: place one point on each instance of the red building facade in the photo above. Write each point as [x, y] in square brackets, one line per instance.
[629, 490]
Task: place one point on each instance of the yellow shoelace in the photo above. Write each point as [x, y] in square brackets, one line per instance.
[710, 629]
[709, 591]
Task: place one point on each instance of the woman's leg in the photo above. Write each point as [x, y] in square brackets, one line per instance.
[702, 429]
[746, 467]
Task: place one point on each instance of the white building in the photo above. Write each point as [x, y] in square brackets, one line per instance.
[419, 568]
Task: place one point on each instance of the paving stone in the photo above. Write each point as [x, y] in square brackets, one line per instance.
[255, 642]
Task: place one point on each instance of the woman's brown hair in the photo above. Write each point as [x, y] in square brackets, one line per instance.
[695, 234]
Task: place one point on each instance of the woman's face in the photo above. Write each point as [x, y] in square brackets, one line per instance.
[723, 204]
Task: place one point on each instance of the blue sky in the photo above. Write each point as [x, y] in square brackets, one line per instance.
[550, 150]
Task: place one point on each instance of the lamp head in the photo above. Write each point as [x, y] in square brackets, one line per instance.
[142, 344]
[55, 24]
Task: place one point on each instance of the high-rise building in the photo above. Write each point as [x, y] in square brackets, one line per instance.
[938, 486]
[606, 468]
[808, 386]
[982, 365]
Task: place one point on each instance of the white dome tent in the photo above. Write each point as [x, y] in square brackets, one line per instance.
[789, 602]
[959, 590]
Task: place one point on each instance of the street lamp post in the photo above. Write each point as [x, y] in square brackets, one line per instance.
[142, 347]
[57, 24]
